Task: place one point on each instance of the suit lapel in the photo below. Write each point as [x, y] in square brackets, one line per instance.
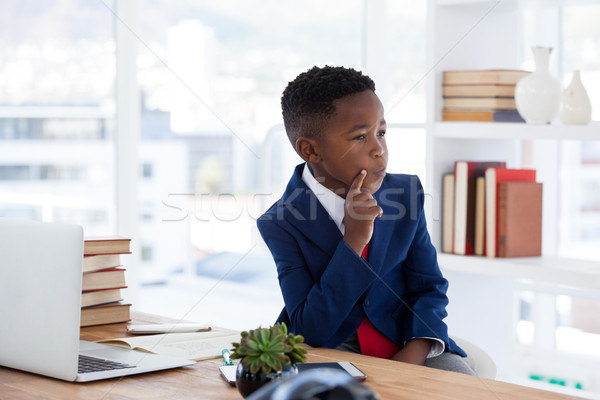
[304, 209]
[382, 232]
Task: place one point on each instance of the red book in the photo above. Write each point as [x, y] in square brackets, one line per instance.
[493, 177]
[102, 261]
[98, 297]
[105, 314]
[465, 176]
[103, 279]
[106, 245]
[519, 219]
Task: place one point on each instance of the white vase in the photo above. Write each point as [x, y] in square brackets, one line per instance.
[575, 107]
[537, 95]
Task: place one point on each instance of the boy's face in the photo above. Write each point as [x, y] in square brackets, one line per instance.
[353, 140]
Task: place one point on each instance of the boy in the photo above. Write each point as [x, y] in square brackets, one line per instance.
[355, 263]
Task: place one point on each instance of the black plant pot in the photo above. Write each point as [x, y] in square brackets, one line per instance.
[248, 382]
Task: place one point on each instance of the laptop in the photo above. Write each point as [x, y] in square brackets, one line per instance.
[40, 308]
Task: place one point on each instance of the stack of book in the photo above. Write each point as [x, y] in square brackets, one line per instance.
[103, 279]
[481, 95]
[488, 209]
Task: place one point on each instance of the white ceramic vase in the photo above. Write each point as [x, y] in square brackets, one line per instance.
[575, 107]
[537, 95]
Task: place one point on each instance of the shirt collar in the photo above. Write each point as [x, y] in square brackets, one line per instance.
[331, 202]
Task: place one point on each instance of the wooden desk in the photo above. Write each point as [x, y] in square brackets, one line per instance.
[389, 379]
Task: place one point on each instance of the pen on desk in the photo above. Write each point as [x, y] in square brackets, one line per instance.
[226, 359]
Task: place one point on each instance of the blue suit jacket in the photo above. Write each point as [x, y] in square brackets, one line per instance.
[328, 289]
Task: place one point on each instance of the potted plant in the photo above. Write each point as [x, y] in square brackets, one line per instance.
[266, 354]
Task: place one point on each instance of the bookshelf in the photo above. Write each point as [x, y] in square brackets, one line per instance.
[545, 270]
[514, 131]
[484, 34]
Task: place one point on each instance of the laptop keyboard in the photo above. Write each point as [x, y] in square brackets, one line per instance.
[91, 364]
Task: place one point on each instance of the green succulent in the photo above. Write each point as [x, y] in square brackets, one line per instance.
[269, 349]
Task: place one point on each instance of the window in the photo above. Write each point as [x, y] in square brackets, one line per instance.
[146, 253]
[57, 113]
[147, 171]
[581, 160]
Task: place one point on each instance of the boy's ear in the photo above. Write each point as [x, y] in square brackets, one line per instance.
[308, 149]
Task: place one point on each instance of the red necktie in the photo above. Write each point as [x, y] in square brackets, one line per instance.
[372, 342]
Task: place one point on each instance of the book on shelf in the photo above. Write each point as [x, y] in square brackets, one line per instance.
[482, 115]
[105, 314]
[473, 90]
[480, 103]
[484, 76]
[447, 212]
[193, 346]
[519, 219]
[479, 215]
[493, 177]
[465, 174]
[102, 296]
[103, 279]
[104, 261]
[106, 245]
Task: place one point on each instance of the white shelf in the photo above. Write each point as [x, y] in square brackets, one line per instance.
[461, 2]
[515, 3]
[507, 130]
[580, 274]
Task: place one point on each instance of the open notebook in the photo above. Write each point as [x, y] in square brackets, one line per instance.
[40, 308]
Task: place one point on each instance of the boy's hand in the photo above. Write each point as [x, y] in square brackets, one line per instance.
[360, 210]
[415, 351]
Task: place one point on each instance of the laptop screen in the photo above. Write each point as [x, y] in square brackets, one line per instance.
[40, 289]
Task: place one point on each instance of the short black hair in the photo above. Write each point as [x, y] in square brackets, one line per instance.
[307, 101]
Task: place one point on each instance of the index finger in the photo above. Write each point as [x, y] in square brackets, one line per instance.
[356, 184]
